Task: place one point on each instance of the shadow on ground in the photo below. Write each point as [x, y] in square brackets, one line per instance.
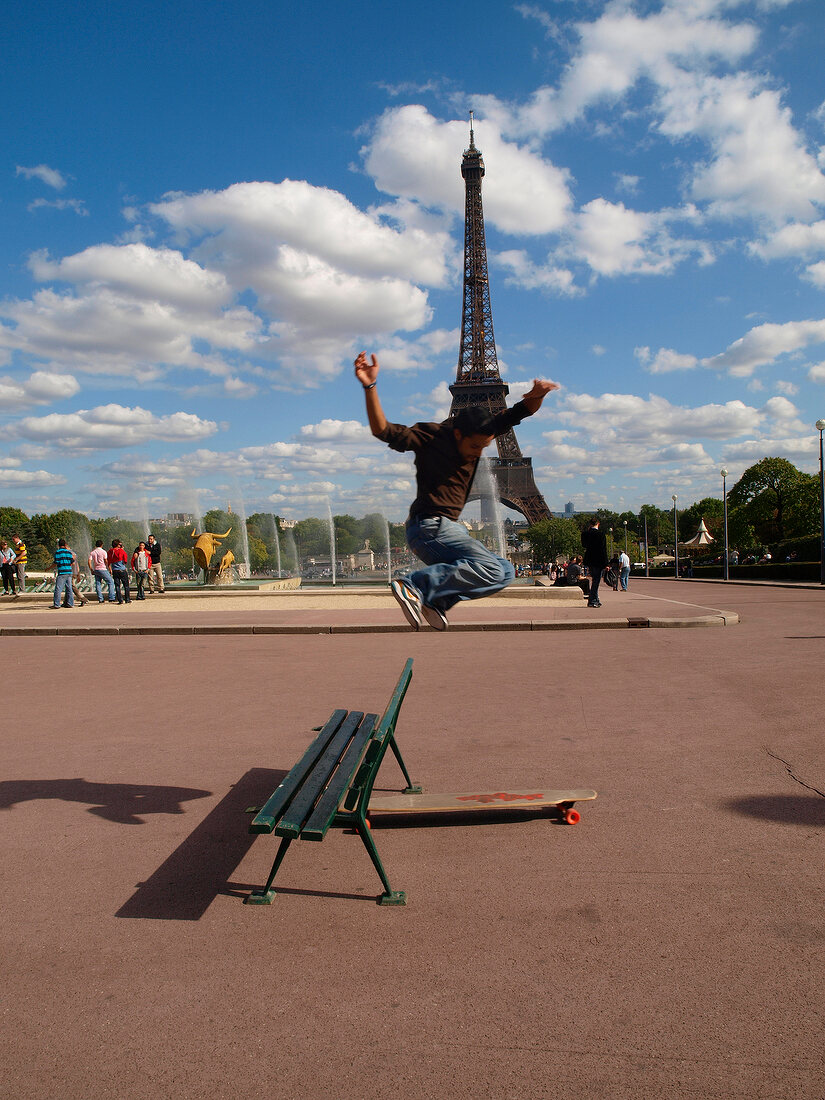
[785, 809]
[185, 884]
[123, 803]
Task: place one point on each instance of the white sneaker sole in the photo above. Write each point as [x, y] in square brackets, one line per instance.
[408, 605]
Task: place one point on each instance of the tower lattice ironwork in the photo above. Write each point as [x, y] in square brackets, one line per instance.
[478, 383]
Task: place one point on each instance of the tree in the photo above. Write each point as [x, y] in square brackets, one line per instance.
[709, 509]
[553, 536]
[764, 492]
[13, 522]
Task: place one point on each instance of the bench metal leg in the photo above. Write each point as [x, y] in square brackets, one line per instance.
[412, 788]
[390, 896]
[265, 896]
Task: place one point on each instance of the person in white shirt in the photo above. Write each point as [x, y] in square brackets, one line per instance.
[624, 570]
[99, 565]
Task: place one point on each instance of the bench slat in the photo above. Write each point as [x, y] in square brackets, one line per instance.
[267, 817]
[299, 809]
[327, 807]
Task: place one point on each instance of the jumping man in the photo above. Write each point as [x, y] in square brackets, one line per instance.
[456, 566]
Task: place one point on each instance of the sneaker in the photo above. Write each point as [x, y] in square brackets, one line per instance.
[410, 602]
[436, 619]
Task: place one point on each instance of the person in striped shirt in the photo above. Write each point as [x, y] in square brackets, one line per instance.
[20, 560]
[63, 558]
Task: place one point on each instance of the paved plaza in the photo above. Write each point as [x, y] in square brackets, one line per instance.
[670, 945]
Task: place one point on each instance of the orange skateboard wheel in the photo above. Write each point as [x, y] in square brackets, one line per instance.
[572, 817]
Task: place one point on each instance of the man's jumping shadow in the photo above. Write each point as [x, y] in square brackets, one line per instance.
[124, 803]
[199, 869]
[785, 809]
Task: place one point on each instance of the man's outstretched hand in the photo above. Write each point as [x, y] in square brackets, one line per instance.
[365, 372]
[534, 397]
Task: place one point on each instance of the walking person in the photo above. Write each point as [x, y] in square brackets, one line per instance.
[77, 591]
[63, 575]
[456, 566]
[624, 570]
[20, 561]
[7, 567]
[141, 562]
[155, 569]
[119, 565]
[595, 558]
[99, 565]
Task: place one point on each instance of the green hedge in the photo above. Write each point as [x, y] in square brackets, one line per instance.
[772, 571]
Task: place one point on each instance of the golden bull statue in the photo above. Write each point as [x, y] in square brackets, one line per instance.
[205, 546]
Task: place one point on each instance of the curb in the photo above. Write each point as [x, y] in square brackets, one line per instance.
[722, 618]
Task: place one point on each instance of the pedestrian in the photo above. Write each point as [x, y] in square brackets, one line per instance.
[7, 567]
[99, 565]
[119, 565]
[63, 575]
[624, 570]
[76, 589]
[595, 558]
[20, 561]
[456, 566]
[155, 569]
[141, 561]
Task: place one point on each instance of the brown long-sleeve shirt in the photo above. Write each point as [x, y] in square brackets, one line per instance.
[444, 477]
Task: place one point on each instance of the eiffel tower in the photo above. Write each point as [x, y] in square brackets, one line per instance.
[478, 382]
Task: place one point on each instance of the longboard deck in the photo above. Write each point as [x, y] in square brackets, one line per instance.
[476, 802]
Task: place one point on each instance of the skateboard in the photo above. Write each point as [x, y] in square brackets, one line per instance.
[481, 802]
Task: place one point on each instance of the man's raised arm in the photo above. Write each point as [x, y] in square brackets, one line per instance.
[537, 394]
[367, 374]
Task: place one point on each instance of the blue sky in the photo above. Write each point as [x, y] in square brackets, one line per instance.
[207, 209]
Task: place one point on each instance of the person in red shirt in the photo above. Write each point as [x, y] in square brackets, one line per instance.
[119, 565]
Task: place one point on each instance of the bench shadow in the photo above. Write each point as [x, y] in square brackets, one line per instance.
[189, 880]
[122, 803]
[786, 809]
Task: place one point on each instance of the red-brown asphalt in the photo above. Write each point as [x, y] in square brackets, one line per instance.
[671, 945]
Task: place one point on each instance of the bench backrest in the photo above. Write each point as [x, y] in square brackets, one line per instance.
[341, 764]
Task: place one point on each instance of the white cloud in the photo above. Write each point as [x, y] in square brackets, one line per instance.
[77, 205]
[149, 274]
[13, 478]
[40, 388]
[525, 273]
[665, 360]
[243, 228]
[337, 431]
[766, 343]
[50, 176]
[414, 155]
[109, 426]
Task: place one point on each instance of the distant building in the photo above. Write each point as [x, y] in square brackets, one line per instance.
[178, 519]
[569, 510]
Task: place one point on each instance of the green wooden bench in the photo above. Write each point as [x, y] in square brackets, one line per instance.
[330, 787]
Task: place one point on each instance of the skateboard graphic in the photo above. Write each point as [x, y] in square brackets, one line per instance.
[482, 802]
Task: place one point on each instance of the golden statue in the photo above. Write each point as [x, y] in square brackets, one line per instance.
[205, 546]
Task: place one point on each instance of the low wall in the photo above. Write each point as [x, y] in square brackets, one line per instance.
[770, 571]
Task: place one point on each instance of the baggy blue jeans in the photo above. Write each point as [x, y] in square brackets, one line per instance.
[100, 576]
[456, 566]
[63, 586]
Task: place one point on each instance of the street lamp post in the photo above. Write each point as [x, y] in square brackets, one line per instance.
[625, 535]
[647, 551]
[675, 535]
[611, 542]
[724, 474]
[821, 425]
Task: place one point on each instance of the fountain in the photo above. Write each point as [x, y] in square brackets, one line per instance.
[244, 568]
[331, 539]
[277, 542]
[287, 526]
[389, 550]
[490, 506]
